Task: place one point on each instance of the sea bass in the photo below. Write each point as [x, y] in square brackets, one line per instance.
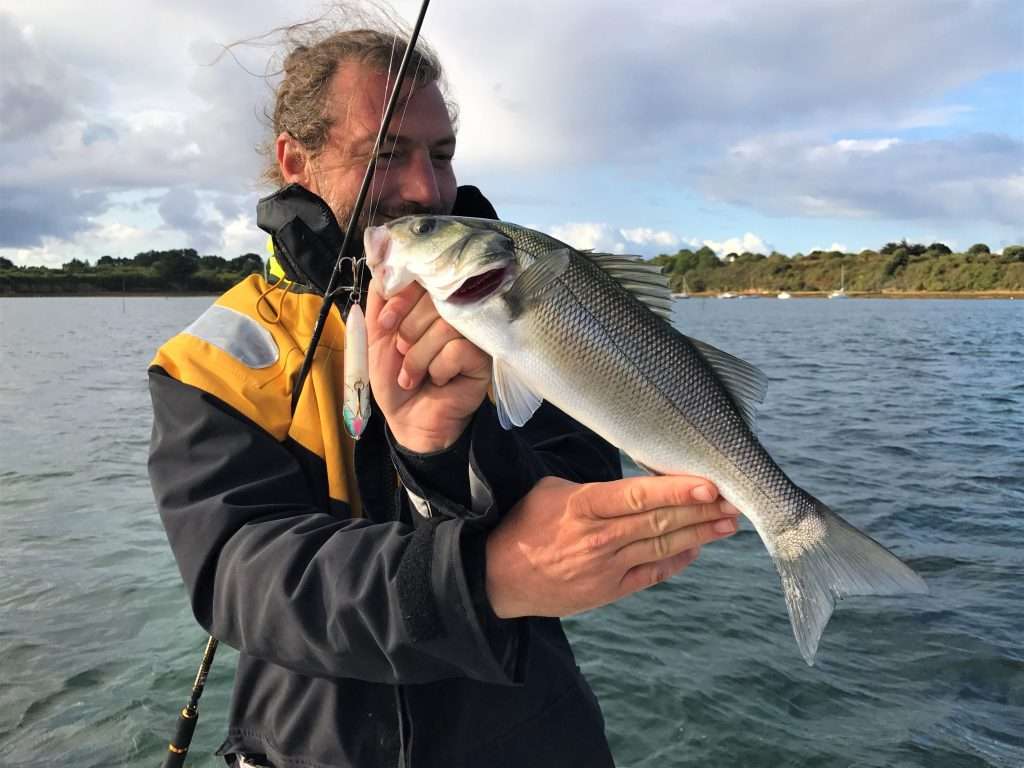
[589, 333]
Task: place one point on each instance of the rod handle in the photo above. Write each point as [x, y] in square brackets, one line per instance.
[177, 750]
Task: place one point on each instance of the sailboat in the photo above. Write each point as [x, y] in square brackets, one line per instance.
[841, 293]
[683, 294]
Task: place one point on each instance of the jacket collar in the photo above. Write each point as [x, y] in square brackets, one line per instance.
[307, 239]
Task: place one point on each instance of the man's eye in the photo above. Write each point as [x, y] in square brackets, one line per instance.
[445, 159]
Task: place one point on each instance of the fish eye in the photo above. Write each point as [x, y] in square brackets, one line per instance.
[423, 226]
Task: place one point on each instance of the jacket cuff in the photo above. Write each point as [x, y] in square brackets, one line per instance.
[440, 478]
[503, 468]
[458, 505]
[460, 570]
[480, 477]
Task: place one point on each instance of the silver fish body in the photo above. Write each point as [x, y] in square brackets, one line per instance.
[583, 331]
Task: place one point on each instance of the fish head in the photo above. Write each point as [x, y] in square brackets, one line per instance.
[457, 260]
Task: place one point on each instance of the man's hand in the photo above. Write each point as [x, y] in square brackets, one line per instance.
[426, 378]
[566, 547]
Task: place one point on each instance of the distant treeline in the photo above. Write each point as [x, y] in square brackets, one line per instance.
[180, 270]
[897, 267]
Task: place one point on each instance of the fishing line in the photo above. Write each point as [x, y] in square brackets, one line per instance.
[357, 272]
[387, 167]
[357, 210]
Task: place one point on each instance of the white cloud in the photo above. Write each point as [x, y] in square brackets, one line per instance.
[978, 177]
[648, 236]
[241, 235]
[606, 238]
[841, 247]
[748, 242]
[93, 105]
[865, 145]
[587, 236]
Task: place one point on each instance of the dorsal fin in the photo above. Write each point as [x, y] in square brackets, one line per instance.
[644, 281]
[746, 383]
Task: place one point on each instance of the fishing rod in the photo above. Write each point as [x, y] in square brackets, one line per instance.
[357, 210]
[178, 748]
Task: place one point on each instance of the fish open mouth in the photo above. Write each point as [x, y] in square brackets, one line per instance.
[479, 287]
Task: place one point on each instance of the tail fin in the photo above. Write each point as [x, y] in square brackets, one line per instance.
[843, 562]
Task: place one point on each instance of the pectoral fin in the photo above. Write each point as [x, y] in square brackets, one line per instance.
[535, 281]
[515, 400]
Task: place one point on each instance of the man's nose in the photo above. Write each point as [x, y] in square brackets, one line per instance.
[419, 182]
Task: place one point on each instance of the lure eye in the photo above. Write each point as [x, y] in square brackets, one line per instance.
[423, 226]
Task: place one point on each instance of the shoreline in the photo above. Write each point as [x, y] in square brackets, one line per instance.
[997, 294]
[873, 295]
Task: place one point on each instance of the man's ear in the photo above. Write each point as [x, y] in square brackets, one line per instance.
[293, 160]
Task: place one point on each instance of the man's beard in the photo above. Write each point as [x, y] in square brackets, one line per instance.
[382, 215]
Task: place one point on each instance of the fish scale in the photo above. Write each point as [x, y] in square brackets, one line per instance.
[573, 328]
[655, 369]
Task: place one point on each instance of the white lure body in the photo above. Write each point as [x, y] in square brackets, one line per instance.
[356, 397]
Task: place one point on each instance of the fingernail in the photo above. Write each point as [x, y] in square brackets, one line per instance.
[387, 319]
[703, 493]
[724, 527]
[403, 380]
[728, 508]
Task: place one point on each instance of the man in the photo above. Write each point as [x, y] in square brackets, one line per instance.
[383, 620]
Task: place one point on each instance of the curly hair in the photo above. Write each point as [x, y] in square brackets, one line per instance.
[314, 56]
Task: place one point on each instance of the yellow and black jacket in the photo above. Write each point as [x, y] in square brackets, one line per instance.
[351, 577]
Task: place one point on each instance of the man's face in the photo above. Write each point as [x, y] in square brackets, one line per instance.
[414, 170]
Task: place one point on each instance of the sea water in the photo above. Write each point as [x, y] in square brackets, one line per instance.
[906, 417]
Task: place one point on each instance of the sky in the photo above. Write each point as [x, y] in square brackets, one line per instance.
[641, 127]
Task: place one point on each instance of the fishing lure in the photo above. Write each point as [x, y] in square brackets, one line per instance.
[355, 409]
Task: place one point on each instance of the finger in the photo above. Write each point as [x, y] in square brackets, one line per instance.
[374, 303]
[385, 361]
[659, 522]
[459, 358]
[389, 314]
[648, 574]
[417, 322]
[419, 356]
[674, 542]
[635, 495]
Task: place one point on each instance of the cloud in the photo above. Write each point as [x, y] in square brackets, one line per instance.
[180, 210]
[120, 101]
[975, 177]
[748, 242]
[587, 236]
[606, 238]
[841, 247]
[69, 150]
[28, 214]
[685, 75]
[33, 87]
[648, 236]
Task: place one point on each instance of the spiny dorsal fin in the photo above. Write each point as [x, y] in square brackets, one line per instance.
[644, 281]
[746, 383]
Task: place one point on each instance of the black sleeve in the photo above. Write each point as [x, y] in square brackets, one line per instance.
[278, 577]
[485, 473]
[489, 469]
